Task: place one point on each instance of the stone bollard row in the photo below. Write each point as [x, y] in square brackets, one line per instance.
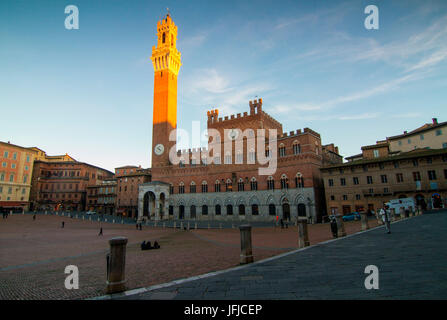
[116, 263]
[303, 235]
[364, 219]
[340, 226]
[246, 248]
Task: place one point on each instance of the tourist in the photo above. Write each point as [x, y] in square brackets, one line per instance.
[334, 227]
[63, 224]
[100, 232]
[385, 214]
[34, 217]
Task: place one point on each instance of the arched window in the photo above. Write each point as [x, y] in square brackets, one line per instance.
[240, 185]
[272, 209]
[181, 188]
[296, 148]
[241, 210]
[270, 183]
[204, 187]
[229, 185]
[267, 151]
[164, 38]
[227, 159]
[299, 181]
[171, 210]
[217, 186]
[193, 212]
[284, 182]
[218, 210]
[254, 209]
[282, 150]
[251, 156]
[171, 189]
[239, 157]
[253, 184]
[205, 210]
[192, 187]
[229, 209]
[217, 159]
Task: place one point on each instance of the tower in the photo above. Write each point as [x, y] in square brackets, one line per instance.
[166, 60]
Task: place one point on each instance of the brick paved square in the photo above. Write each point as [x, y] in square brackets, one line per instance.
[34, 254]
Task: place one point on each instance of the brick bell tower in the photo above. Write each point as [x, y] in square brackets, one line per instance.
[166, 60]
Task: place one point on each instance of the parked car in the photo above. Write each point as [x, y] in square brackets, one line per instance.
[351, 216]
[90, 213]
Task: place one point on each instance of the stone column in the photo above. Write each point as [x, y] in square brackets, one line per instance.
[246, 249]
[364, 218]
[303, 236]
[116, 262]
[157, 209]
[340, 226]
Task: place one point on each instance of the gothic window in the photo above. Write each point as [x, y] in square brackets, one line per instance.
[296, 148]
[254, 210]
[284, 182]
[272, 209]
[282, 150]
[299, 181]
[253, 184]
[240, 185]
[217, 186]
[229, 186]
[181, 188]
[270, 183]
[192, 187]
[204, 187]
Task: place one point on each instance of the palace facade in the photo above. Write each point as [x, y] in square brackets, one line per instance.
[250, 170]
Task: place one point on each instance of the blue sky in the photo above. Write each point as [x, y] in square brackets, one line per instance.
[89, 92]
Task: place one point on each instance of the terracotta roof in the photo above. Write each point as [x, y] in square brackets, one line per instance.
[425, 127]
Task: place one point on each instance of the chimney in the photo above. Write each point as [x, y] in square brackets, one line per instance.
[435, 121]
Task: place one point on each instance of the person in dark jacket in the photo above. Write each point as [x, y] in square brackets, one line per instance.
[334, 227]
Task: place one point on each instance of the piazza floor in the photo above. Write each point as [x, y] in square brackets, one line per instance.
[34, 254]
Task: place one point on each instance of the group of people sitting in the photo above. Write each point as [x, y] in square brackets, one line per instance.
[147, 245]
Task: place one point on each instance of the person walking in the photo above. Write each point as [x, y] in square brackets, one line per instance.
[63, 224]
[385, 214]
[34, 217]
[100, 232]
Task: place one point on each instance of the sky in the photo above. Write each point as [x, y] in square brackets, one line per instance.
[89, 92]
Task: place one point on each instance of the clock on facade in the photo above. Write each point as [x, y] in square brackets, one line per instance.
[159, 149]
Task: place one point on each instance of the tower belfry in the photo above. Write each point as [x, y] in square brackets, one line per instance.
[166, 61]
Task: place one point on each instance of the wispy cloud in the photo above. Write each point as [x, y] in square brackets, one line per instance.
[211, 88]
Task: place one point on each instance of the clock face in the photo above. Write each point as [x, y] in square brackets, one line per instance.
[159, 149]
[233, 134]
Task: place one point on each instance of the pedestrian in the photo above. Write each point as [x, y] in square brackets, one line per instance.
[34, 217]
[136, 225]
[385, 214]
[334, 227]
[282, 223]
[141, 226]
[63, 224]
[100, 232]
